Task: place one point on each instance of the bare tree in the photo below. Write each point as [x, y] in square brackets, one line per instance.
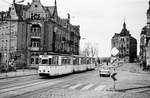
[94, 50]
[89, 50]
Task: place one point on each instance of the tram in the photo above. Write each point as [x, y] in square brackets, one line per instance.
[54, 65]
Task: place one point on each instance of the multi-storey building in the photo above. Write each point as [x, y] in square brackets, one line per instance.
[126, 44]
[32, 29]
[145, 42]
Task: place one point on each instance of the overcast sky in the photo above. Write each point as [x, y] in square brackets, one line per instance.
[100, 19]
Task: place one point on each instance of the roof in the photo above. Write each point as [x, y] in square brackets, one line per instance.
[20, 8]
[124, 31]
[50, 9]
[148, 11]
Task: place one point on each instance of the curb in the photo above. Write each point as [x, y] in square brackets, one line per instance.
[140, 72]
[17, 76]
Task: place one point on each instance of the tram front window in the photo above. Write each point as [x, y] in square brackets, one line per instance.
[45, 61]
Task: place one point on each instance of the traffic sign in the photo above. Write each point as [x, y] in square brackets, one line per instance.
[113, 76]
[114, 51]
[113, 59]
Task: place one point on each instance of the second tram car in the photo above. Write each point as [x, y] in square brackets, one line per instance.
[54, 65]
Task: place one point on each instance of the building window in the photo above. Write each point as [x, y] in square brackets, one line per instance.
[36, 29]
[5, 48]
[127, 52]
[127, 46]
[1, 48]
[36, 6]
[35, 43]
[121, 46]
[127, 39]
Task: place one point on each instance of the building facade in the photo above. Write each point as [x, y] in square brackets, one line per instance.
[145, 42]
[34, 29]
[126, 44]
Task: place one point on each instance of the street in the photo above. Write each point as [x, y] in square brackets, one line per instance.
[129, 84]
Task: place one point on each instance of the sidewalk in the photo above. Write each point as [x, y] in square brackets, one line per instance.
[133, 67]
[135, 83]
[18, 73]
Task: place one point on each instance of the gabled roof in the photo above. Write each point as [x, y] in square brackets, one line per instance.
[116, 35]
[62, 21]
[20, 8]
[50, 9]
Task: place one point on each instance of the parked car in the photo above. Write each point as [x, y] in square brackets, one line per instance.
[105, 71]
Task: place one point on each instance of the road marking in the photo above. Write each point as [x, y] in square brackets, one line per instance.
[64, 86]
[28, 85]
[75, 86]
[99, 88]
[87, 87]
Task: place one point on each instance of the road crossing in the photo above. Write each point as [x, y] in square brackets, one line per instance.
[84, 87]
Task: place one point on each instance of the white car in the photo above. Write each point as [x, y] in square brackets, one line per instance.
[105, 71]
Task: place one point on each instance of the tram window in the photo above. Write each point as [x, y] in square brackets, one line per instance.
[75, 61]
[88, 61]
[83, 60]
[55, 60]
[50, 61]
[37, 61]
[45, 61]
[32, 60]
[65, 61]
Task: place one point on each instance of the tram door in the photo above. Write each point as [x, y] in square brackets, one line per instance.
[50, 61]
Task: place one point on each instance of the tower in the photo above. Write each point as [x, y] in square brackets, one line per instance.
[148, 16]
[124, 24]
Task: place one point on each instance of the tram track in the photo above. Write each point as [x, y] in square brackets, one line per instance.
[17, 79]
[19, 84]
[37, 85]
